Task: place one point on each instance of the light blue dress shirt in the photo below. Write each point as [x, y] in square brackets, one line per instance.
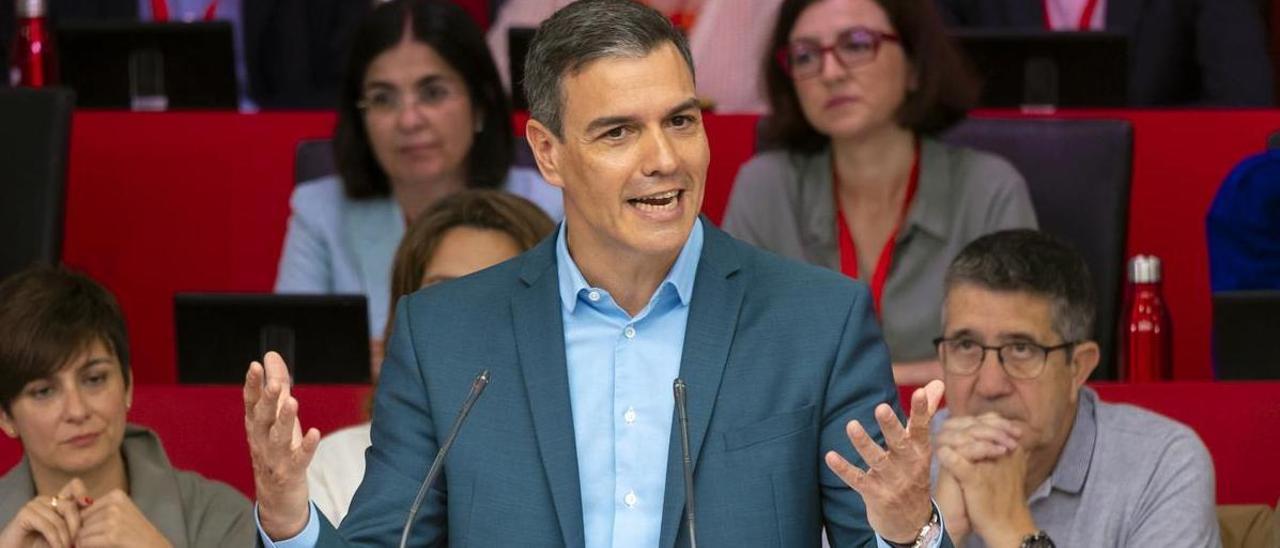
[621, 370]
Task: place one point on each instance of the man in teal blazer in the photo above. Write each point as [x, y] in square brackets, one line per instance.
[574, 442]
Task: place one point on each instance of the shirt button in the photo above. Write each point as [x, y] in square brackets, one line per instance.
[630, 415]
[594, 296]
[630, 499]
[630, 332]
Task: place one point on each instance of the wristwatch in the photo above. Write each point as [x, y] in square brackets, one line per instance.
[927, 535]
[1039, 539]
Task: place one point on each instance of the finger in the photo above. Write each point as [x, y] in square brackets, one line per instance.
[102, 506]
[282, 431]
[977, 451]
[934, 392]
[976, 432]
[996, 421]
[921, 414]
[277, 370]
[895, 436]
[252, 387]
[264, 411]
[867, 448]
[74, 490]
[852, 476]
[309, 443]
[69, 513]
[955, 463]
[45, 520]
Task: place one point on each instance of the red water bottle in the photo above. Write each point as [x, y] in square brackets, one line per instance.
[1147, 332]
[34, 60]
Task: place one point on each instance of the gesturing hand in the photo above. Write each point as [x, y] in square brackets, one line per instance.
[895, 485]
[279, 450]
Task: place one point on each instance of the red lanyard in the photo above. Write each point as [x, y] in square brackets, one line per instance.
[160, 10]
[849, 252]
[1086, 17]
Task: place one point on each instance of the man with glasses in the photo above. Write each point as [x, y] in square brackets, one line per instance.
[1027, 454]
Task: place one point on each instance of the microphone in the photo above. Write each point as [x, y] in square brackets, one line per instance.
[477, 387]
[682, 413]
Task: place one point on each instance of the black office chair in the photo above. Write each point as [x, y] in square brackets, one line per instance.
[35, 129]
[1079, 173]
[313, 159]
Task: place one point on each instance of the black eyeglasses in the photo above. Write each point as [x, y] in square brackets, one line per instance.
[1021, 360]
[853, 46]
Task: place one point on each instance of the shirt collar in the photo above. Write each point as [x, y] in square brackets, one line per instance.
[681, 276]
[1077, 455]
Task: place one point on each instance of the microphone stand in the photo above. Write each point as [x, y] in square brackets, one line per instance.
[477, 387]
[682, 413]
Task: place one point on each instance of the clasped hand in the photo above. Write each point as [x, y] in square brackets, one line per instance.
[72, 518]
[981, 479]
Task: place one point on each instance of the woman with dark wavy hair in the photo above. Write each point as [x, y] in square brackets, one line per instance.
[858, 90]
[422, 116]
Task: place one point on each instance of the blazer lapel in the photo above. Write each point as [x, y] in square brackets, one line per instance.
[539, 332]
[713, 317]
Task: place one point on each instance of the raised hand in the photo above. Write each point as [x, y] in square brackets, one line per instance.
[895, 485]
[279, 449]
[47, 521]
[114, 521]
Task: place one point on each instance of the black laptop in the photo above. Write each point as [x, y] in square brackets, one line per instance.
[323, 338]
[1246, 334]
[197, 60]
[1038, 69]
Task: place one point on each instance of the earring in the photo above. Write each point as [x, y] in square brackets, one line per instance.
[479, 123]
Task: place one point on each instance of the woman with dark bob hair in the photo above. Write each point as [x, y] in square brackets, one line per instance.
[87, 476]
[464, 233]
[422, 115]
[858, 90]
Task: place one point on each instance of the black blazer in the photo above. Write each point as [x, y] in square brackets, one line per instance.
[295, 50]
[1182, 52]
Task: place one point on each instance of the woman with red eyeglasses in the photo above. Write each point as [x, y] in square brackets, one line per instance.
[853, 179]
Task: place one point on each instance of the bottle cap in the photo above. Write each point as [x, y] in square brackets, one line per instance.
[1144, 269]
[30, 8]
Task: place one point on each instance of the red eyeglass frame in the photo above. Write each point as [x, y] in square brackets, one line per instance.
[878, 37]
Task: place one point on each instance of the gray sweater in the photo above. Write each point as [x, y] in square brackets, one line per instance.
[783, 202]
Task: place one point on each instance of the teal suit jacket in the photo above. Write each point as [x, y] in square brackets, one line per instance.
[778, 357]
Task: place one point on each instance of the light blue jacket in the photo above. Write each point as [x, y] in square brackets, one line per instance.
[335, 244]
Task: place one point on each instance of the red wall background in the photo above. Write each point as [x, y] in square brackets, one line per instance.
[164, 203]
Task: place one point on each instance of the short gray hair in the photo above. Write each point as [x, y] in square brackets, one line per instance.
[585, 31]
[1037, 263]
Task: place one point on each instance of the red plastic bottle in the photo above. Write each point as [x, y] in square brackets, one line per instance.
[34, 60]
[1147, 332]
